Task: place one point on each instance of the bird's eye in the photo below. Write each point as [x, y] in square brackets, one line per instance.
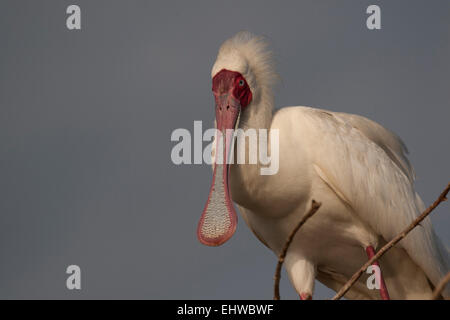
[241, 83]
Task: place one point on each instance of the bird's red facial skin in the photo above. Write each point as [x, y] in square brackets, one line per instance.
[226, 81]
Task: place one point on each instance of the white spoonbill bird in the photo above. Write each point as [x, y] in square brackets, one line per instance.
[356, 168]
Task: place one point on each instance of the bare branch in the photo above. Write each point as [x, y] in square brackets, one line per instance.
[441, 285]
[390, 244]
[276, 288]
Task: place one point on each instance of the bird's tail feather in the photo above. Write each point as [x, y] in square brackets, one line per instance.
[440, 253]
[445, 258]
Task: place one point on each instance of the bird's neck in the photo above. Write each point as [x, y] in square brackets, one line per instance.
[258, 115]
[246, 179]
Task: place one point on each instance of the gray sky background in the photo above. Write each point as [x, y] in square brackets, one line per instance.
[86, 117]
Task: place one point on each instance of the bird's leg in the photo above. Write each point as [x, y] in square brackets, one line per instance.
[383, 290]
[302, 273]
[305, 296]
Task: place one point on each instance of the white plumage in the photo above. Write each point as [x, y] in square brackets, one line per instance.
[358, 171]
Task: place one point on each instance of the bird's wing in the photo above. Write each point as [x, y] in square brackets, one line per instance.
[351, 156]
[384, 138]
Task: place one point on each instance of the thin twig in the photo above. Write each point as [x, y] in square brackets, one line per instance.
[390, 244]
[276, 288]
[441, 285]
